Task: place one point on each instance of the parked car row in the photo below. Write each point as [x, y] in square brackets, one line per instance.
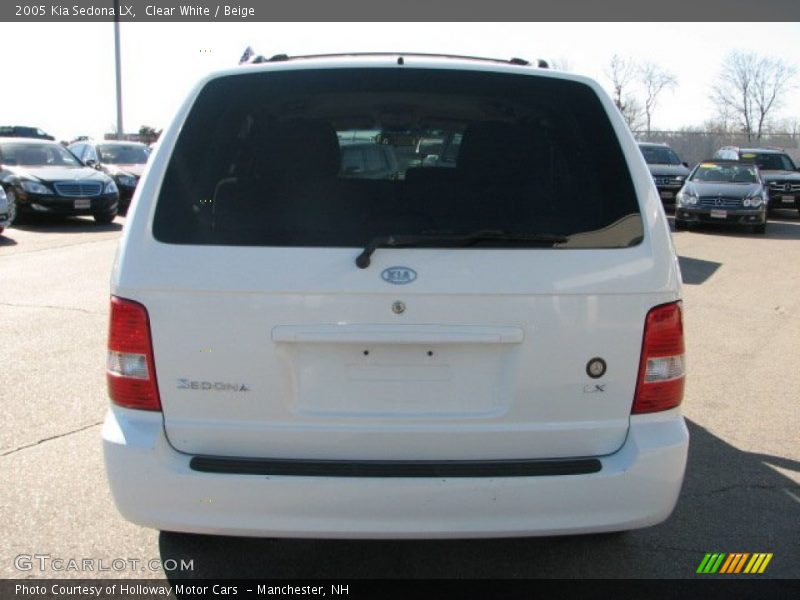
[738, 186]
[40, 176]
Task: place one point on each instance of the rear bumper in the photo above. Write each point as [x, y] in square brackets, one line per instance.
[153, 485]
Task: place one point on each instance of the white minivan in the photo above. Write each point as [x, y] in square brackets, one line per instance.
[488, 345]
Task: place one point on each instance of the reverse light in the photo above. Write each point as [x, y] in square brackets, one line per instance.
[130, 369]
[662, 367]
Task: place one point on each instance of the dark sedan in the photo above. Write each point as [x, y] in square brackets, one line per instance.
[44, 177]
[722, 191]
[123, 161]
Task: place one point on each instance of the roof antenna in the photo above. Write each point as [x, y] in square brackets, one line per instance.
[542, 64]
[400, 61]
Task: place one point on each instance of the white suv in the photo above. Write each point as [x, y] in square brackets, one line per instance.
[493, 347]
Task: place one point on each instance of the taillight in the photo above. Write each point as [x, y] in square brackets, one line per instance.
[131, 370]
[661, 367]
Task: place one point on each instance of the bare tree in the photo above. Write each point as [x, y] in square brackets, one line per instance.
[751, 87]
[622, 73]
[654, 80]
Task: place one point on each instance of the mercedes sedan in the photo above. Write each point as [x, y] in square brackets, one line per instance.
[43, 177]
[723, 191]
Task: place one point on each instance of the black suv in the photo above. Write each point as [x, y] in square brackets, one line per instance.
[777, 169]
[24, 131]
[668, 171]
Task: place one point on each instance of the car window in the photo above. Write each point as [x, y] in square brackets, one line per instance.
[119, 154]
[659, 155]
[77, 150]
[329, 158]
[38, 155]
[773, 162]
[725, 173]
[89, 153]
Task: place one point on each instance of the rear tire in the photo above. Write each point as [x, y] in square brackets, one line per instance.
[681, 225]
[760, 229]
[104, 218]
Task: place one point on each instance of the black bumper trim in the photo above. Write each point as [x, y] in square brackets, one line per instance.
[394, 468]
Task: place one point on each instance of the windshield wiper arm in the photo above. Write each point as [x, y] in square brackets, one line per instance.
[394, 241]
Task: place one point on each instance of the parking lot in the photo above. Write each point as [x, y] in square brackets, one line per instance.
[741, 494]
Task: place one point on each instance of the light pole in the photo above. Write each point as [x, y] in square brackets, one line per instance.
[119, 70]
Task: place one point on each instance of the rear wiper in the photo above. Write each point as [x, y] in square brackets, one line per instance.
[394, 241]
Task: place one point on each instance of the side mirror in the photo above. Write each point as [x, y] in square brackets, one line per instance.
[685, 164]
[90, 162]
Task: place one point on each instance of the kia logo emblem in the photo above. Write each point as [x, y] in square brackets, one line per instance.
[398, 275]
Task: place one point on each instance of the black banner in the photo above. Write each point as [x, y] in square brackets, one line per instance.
[743, 588]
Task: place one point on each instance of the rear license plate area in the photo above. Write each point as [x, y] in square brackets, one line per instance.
[401, 380]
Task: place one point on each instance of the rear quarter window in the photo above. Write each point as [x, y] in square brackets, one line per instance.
[268, 159]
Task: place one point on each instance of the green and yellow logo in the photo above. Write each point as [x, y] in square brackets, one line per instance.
[737, 562]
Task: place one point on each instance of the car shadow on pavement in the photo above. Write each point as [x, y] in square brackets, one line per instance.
[732, 501]
[695, 271]
[6, 241]
[64, 225]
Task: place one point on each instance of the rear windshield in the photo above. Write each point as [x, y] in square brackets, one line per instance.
[337, 157]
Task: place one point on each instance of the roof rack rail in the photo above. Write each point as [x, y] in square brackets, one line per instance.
[542, 64]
